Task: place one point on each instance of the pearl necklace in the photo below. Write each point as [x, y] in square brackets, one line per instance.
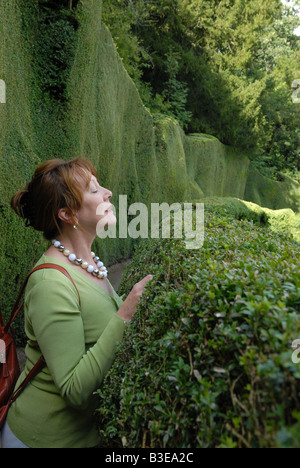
[100, 272]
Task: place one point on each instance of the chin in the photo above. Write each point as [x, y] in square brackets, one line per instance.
[107, 221]
[111, 219]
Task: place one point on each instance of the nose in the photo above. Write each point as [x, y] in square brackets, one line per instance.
[108, 195]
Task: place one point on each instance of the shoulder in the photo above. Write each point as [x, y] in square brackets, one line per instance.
[48, 270]
[50, 280]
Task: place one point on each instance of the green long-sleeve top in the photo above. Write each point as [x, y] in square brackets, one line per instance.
[78, 342]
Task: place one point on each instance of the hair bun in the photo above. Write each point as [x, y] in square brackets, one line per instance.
[27, 210]
[22, 206]
[54, 185]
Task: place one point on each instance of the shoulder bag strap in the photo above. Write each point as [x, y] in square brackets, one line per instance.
[31, 375]
[41, 362]
[16, 308]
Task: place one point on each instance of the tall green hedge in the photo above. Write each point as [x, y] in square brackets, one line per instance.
[30, 132]
[68, 95]
[207, 360]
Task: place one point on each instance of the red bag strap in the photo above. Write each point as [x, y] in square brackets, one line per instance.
[16, 308]
[31, 375]
[41, 362]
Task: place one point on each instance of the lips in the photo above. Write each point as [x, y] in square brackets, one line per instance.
[109, 209]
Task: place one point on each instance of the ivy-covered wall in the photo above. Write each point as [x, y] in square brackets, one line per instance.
[147, 157]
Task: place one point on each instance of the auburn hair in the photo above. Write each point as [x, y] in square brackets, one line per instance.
[54, 185]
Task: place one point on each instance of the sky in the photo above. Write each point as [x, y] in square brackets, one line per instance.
[297, 31]
[291, 2]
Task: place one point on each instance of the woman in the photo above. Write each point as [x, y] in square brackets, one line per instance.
[76, 334]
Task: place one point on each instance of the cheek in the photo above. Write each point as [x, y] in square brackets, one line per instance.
[88, 209]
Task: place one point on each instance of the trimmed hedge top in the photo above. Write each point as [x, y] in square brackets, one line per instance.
[207, 360]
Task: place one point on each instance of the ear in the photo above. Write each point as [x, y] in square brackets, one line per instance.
[66, 215]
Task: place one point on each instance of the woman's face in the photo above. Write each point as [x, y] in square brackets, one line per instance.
[96, 210]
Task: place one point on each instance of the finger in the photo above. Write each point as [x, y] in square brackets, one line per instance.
[148, 278]
[145, 280]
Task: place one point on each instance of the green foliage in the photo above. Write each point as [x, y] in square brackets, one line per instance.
[54, 48]
[206, 361]
[119, 17]
[237, 61]
[175, 93]
[104, 120]
[289, 437]
[30, 132]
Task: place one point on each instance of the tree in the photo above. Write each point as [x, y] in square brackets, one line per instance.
[236, 60]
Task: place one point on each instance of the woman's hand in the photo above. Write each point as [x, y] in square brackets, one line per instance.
[128, 308]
